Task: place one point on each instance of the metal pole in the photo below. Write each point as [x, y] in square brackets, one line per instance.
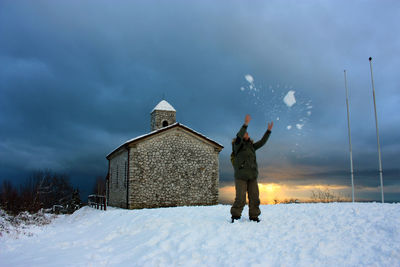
[377, 131]
[350, 146]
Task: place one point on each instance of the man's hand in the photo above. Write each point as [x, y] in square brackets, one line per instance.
[247, 119]
[270, 125]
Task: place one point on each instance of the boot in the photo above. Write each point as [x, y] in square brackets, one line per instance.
[235, 218]
[255, 219]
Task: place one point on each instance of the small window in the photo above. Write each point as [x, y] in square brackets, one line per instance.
[164, 123]
[126, 174]
[110, 182]
[117, 177]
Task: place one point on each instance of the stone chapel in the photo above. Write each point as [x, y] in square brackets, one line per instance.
[172, 165]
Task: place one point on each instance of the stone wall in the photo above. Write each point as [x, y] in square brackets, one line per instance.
[118, 180]
[159, 116]
[173, 168]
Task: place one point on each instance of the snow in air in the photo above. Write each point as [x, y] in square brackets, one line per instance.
[290, 108]
[249, 78]
[289, 99]
[336, 234]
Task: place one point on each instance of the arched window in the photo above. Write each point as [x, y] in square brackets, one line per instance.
[164, 123]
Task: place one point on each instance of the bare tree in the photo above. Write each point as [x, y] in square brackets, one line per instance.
[42, 189]
[52, 188]
[99, 187]
[290, 201]
[27, 194]
[326, 196]
[9, 199]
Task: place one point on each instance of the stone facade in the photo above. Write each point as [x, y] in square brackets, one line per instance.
[174, 168]
[171, 166]
[118, 179]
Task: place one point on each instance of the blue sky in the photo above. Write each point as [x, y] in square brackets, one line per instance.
[78, 78]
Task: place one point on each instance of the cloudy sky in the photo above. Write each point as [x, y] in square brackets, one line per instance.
[78, 78]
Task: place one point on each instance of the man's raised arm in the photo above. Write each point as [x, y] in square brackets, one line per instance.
[264, 139]
[242, 130]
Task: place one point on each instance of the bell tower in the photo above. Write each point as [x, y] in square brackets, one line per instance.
[162, 115]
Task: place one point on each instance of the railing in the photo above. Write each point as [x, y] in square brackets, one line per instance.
[97, 201]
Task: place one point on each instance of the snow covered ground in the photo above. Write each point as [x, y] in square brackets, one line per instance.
[337, 234]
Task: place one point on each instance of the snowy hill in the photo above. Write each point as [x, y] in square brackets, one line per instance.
[338, 234]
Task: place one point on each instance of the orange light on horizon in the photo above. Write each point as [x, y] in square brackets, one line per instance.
[268, 193]
[269, 187]
[272, 193]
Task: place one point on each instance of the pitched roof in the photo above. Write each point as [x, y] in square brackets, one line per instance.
[164, 105]
[177, 124]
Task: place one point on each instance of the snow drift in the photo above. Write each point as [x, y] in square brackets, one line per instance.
[337, 234]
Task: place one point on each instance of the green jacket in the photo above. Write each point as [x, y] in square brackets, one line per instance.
[245, 164]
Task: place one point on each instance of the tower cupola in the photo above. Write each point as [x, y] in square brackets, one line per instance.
[162, 115]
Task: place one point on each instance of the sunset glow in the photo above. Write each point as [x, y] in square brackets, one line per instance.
[270, 188]
[272, 193]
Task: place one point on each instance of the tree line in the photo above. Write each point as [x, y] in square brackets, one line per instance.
[43, 189]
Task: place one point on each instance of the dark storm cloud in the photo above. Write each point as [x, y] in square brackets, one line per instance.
[79, 78]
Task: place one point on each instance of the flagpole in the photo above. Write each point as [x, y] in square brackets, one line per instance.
[377, 132]
[350, 146]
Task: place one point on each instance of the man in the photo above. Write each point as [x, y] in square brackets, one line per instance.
[246, 171]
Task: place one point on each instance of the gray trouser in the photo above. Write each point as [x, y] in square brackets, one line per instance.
[242, 187]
